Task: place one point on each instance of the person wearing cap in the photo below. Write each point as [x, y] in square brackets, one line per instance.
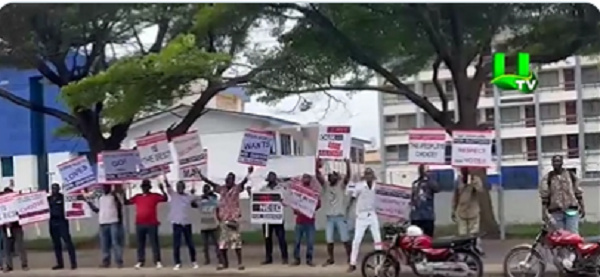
[334, 192]
[562, 197]
[422, 212]
[465, 202]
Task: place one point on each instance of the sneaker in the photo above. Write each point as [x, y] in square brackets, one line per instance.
[310, 263]
[138, 265]
[351, 268]
[296, 262]
[241, 267]
[176, 267]
[25, 268]
[195, 265]
[284, 261]
[266, 262]
[158, 265]
[328, 262]
[58, 267]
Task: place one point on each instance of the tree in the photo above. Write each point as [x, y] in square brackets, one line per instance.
[341, 46]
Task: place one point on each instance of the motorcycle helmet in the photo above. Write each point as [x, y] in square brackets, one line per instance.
[414, 231]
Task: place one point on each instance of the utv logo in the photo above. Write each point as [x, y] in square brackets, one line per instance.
[524, 81]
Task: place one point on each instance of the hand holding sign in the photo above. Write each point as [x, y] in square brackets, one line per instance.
[250, 170]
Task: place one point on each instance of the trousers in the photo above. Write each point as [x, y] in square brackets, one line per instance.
[60, 233]
[364, 221]
[184, 231]
[112, 241]
[278, 230]
[150, 232]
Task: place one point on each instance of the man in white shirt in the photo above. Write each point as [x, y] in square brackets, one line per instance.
[366, 217]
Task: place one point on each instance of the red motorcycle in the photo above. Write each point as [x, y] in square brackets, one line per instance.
[570, 253]
[452, 256]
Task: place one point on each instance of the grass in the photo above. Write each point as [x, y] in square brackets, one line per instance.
[520, 231]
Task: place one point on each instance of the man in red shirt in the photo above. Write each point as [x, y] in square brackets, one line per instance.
[146, 221]
[305, 226]
[229, 214]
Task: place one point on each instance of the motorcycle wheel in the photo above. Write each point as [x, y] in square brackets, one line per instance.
[381, 265]
[535, 257]
[473, 261]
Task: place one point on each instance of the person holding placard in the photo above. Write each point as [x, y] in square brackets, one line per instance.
[209, 225]
[182, 226]
[229, 214]
[334, 191]
[59, 228]
[422, 212]
[13, 235]
[305, 227]
[146, 221]
[465, 202]
[366, 215]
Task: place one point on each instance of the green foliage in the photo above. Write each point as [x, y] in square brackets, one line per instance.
[140, 84]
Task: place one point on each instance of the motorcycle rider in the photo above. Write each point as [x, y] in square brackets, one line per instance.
[562, 197]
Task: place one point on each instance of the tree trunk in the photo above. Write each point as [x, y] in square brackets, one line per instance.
[488, 224]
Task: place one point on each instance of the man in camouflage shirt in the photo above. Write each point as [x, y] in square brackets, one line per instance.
[562, 197]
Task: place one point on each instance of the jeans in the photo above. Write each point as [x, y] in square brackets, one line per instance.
[307, 230]
[210, 238]
[184, 231]
[60, 233]
[565, 222]
[112, 240]
[340, 223]
[279, 231]
[150, 231]
[1, 247]
[16, 237]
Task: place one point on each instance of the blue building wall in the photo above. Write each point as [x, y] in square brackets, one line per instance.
[513, 177]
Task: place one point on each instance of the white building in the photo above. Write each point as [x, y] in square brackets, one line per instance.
[561, 118]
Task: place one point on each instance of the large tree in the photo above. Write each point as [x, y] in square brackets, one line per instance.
[341, 46]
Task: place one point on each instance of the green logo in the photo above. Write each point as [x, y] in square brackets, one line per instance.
[524, 81]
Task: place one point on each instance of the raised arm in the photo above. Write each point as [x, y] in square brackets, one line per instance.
[242, 184]
[168, 185]
[209, 182]
[318, 174]
[164, 195]
[348, 173]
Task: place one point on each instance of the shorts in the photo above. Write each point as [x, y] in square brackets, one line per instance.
[340, 223]
[229, 238]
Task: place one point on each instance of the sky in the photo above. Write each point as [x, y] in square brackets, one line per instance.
[357, 109]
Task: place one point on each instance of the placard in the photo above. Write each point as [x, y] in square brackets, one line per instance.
[75, 208]
[392, 201]
[192, 173]
[9, 210]
[427, 146]
[77, 174]
[302, 199]
[118, 166]
[266, 208]
[208, 218]
[472, 148]
[189, 149]
[153, 172]
[154, 150]
[256, 147]
[33, 207]
[334, 142]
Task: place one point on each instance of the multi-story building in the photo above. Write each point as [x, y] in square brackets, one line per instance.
[561, 118]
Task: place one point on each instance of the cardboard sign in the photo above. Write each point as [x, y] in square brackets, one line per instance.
[33, 207]
[117, 166]
[77, 174]
[302, 199]
[75, 208]
[153, 172]
[9, 210]
[192, 173]
[154, 150]
[334, 142]
[266, 208]
[256, 147]
[392, 201]
[472, 148]
[189, 149]
[427, 146]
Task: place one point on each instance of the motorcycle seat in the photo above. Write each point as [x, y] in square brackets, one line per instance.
[450, 242]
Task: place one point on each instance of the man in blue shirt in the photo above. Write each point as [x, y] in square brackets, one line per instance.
[422, 202]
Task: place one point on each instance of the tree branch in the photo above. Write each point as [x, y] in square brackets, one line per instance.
[163, 28]
[438, 86]
[456, 27]
[19, 101]
[118, 133]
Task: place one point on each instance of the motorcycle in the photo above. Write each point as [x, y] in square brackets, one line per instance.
[571, 254]
[452, 256]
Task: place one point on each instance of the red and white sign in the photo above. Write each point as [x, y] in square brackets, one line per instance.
[33, 207]
[427, 146]
[334, 142]
[117, 166]
[256, 147]
[392, 201]
[154, 150]
[192, 173]
[75, 208]
[472, 148]
[9, 211]
[77, 174]
[189, 149]
[302, 199]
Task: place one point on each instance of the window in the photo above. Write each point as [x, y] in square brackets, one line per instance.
[407, 122]
[592, 141]
[391, 148]
[590, 75]
[531, 148]
[361, 155]
[403, 152]
[510, 114]
[274, 146]
[353, 155]
[7, 166]
[548, 79]
[428, 121]
[552, 144]
[512, 146]
[391, 122]
[297, 147]
[591, 108]
[489, 115]
[391, 152]
[569, 76]
[449, 87]
[286, 144]
[430, 91]
[573, 146]
[390, 118]
[549, 111]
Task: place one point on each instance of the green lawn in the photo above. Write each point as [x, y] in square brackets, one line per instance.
[521, 231]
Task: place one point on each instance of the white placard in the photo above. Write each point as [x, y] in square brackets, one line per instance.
[266, 208]
[118, 166]
[75, 208]
[256, 147]
[427, 146]
[192, 173]
[154, 150]
[33, 207]
[392, 201]
[189, 149]
[472, 148]
[302, 199]
[77, 174]
[334, 142]
[9, 210]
